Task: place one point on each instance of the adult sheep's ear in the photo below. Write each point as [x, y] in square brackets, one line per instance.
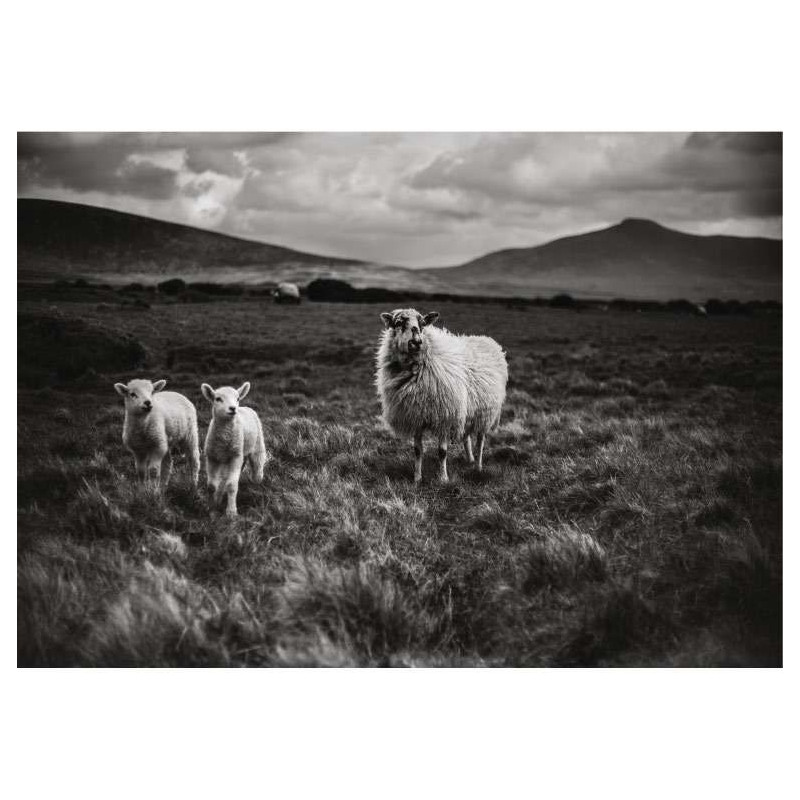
[243, 390]
[121, 389]
[387, 319]
[159, 385]
[430, 318]
[208, 392]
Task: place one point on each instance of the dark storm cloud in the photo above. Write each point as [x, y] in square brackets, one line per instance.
[105, 166]
[126, 163]
[745, 142]
[748, 165]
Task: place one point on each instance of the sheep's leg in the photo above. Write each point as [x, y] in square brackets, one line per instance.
[257, 462]
[418, 457]
[232, 487]
[152, 463]
[443, 459]
[141, 468]
[166, 469]
[212, 480]
[479, 440]
[193, 453]
[231, 490]
[468, 449]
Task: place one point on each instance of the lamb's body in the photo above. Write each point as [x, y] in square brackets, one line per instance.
[453, 387]
[152, 436]
[231, 442]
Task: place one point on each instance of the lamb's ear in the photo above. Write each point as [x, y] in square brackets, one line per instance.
[208, 392]
[387, 319]
[121, 389]
[430, 318]
[159, 385]
[243, 390]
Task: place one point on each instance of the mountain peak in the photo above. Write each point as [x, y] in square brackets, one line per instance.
[638, 224]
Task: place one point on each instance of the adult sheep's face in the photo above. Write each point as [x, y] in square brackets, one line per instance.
[225, 400]
[406, 326]
[138, 395]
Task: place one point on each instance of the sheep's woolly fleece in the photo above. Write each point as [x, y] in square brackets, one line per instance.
[454, 386]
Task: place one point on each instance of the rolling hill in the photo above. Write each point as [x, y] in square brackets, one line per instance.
[637, 259]
[57, 240]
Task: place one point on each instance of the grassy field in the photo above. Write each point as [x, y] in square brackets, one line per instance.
[629, 512]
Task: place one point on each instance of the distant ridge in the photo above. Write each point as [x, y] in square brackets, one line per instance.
[70, 237]
[635, 258]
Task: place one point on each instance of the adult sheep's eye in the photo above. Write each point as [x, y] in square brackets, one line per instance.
[133, 396]
[218, 399]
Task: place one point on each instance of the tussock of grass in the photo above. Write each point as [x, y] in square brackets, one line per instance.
[95, 515]
[561, 557]
[358, 608]
[160, 619]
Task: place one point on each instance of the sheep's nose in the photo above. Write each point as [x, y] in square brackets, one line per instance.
[413, 344]
[232, 409]
[148, 404]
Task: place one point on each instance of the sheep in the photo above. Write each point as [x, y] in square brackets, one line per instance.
[234, 435]
[429, 379]
[287, 293]
[156, 423]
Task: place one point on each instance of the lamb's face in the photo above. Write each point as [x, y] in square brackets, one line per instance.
[138, 395]
[225, 400]
[405, 326]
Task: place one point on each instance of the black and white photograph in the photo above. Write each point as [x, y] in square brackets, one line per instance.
[399, 399]
[404, 400]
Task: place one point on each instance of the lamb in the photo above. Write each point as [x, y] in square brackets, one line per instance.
[429, 379]
[156, 423]
[235, 435]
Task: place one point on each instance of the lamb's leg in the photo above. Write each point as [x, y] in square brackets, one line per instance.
[479, 440]
[418, 457]
[154, 467]
[232, 487]
[257, 462]
[443, 459]
[468, 449]
[166, 469]
[193, 454]
[259, 458]
[212, 481]
[141, 469]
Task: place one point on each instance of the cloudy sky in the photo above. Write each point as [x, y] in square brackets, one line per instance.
[416, 199]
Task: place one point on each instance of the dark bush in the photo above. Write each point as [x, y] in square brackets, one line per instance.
[727, 307]
[682, 307]
[172, 286]
[563, 301]
[330, 290]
